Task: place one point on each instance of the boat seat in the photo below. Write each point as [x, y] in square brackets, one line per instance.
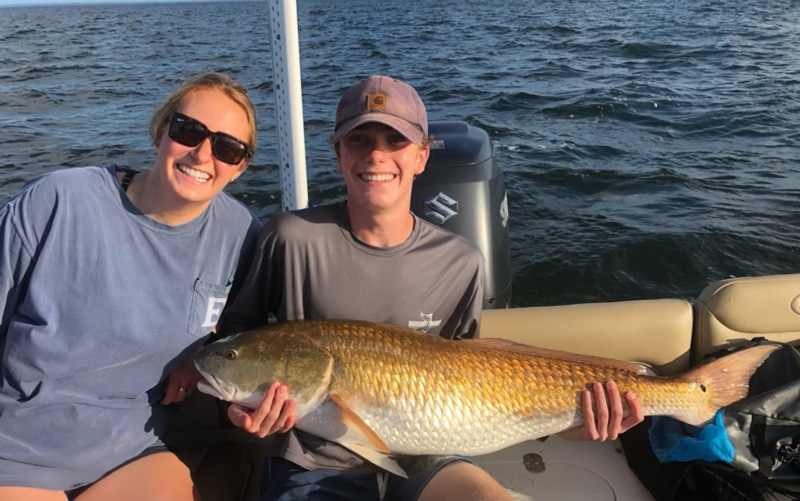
[739, 309]
[655, 332]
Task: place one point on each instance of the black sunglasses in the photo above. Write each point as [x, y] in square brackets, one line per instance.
[190, 132]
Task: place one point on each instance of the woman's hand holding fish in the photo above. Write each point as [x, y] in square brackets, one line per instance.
[605, 420]
[275, 414]
[181, 382]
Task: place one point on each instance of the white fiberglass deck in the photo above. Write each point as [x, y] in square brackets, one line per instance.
[561, 470]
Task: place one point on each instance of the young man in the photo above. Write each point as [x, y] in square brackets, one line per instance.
[368, 258]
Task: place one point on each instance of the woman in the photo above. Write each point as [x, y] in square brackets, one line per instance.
[108, 281]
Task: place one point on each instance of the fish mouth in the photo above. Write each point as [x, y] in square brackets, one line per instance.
[216, 388]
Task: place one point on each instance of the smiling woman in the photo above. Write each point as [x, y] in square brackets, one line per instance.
[160, 252]
[189, 171]
[186, 177]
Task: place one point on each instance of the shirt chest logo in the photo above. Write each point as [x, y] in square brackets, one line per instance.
[215, 305]
[427, 323]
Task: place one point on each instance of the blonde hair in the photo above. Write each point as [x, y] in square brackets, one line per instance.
[233, 89]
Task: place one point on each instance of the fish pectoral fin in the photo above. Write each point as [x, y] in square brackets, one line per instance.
[336, 422]
[376, 458]
[524, 349]
[358, 432]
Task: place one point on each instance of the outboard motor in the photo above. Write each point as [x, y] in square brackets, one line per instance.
[462, 190]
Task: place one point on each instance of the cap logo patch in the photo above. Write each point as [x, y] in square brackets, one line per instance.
[376, 102]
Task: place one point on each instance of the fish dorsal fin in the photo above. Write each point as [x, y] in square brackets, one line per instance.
[524, 349]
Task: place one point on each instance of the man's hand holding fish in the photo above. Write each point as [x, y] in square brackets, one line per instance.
[607, 419]
[275, 414]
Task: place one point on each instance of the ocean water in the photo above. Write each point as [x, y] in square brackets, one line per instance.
[648, 148]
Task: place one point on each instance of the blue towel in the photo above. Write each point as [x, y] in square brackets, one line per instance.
[672, 440]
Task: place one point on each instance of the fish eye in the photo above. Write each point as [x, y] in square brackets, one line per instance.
[230, 354]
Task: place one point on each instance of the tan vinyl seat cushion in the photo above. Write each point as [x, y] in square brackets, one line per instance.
[655, 332]
[736, 310]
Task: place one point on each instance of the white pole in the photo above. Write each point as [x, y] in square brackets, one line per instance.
[288, 103]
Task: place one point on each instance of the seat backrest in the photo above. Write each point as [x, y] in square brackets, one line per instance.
[738, 309]
[656, 332]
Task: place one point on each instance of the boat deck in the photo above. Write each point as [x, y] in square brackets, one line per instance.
[564, 469]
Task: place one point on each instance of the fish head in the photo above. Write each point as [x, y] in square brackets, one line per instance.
[241, 368]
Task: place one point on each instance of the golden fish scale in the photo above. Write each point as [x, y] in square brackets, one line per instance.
[451, 385]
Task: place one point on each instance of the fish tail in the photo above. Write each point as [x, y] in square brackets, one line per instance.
[724, 381]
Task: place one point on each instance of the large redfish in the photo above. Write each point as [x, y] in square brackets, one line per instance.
[380, 389]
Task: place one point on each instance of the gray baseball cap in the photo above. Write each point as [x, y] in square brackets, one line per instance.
[384, 100]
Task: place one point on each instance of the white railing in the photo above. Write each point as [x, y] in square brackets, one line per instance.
[288, 103]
